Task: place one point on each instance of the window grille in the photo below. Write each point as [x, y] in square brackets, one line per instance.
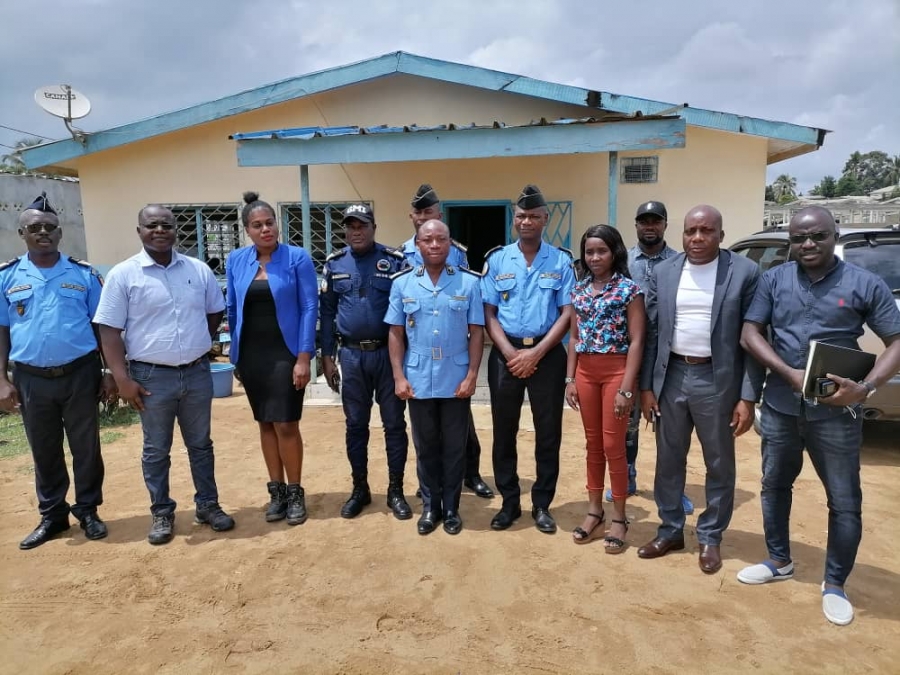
[639, 169]
[326, 233]
[207, 231]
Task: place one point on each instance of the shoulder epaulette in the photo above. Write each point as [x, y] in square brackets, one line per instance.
[334, 255]
[85, 263]
[406, 270]
[461, 247]
[468, 271]
[8, 263]
[567, 252]
[492, 251]
[394, 252]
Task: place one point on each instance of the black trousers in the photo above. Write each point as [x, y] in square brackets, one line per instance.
[546, 391]
[49, 408]
[437, 424]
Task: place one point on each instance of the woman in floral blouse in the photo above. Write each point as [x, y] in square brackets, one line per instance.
[605, 348]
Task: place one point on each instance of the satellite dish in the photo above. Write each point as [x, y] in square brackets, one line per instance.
[60, 100]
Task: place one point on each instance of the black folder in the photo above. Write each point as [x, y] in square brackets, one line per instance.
[827, 358]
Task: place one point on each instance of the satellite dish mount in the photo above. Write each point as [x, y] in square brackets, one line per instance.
[60, 100]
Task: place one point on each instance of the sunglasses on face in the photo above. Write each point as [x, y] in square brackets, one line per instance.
[159, 226]
[36, 228]
[813, 236]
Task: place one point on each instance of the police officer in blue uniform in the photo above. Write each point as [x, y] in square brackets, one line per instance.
[526, 288]
[426, 206]
[436, 344]
[47, 303]
[356, 286]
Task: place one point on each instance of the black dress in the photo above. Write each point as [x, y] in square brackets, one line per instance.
[266, 365]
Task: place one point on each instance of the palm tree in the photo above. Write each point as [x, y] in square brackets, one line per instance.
[854, 165]
[785, 188]
[12, 162]
[893, 174]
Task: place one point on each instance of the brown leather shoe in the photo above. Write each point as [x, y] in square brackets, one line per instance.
[710, 558]
[659, 547]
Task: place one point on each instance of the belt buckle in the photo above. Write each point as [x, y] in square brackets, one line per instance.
[56, 371]
[436, 354]
[368, 345]
[528, 341]
[693, 360]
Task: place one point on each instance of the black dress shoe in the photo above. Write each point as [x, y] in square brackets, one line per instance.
[44, 533]
[428, 522]
[505, 518]
[659, 547]
[543, 520]
[477, 485]
[452, 522]
[93, 527]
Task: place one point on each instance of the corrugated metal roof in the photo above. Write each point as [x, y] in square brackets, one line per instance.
[307, 133]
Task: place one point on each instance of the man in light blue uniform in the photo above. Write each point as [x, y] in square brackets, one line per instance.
[168, 305]
[46, 304]
[427, 206]
[527, 289]
[436, 309]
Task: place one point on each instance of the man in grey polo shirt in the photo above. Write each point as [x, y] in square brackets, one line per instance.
[168, 305]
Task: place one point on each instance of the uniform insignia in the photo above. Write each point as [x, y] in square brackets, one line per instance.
[405, 300]
[74, 287]
[383, 265]
[460, 297]
[461, 247]
[492, 251]
[85, 263]
[411, 322]
[336, 254]
[504, 296]
[342, 275]
[451, 270]
[20, 309]
[501, 277]
[323, 287]
[567, 252]
[401, 273]
[420, 270]
[394, 252]
[8, 263]
[16, 289]
[468, 271]
[379, 275]
[550, 275]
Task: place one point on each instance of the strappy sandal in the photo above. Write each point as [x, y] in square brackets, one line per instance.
[614, 545]
[580, 536]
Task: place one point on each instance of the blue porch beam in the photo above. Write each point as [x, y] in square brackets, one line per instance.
[528, 141]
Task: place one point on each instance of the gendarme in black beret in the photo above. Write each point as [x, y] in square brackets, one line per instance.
[425, 196]
[531, 198]
[41, 204]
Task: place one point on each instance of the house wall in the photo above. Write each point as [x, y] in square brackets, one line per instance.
[198, 165]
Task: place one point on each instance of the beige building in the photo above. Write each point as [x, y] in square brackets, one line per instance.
[323, 139]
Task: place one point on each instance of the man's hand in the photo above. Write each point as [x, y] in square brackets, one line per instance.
[649, 405]
[403, 389]
[332, 375]
[742, 417]
[133, 393]
[849, 392]
[524, 363]
[572, 396]
[9, 397]
[466, 388]
[795, 379]
[108, 389]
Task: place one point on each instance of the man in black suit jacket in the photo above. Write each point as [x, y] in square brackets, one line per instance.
[695, 375]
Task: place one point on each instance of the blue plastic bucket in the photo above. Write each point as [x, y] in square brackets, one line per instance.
[223, 380]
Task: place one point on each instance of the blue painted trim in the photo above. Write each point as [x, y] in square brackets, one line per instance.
[409, 64]
[465, 144]
[612, 187]
[305, 214]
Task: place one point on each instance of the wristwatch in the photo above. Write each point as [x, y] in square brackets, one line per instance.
[626, 394]
[869, 387]
[570, 380]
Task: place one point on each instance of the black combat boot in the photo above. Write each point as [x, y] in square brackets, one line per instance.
[360, 497]
[395, 499]
[296, 504]
[277, 508]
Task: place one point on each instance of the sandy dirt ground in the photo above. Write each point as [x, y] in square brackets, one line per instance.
[371, 596]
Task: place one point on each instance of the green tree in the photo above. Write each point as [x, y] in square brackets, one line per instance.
[893, 176]
[827, 187]
[770, 194]
[12, 161]
[785, 188]
[847, 185]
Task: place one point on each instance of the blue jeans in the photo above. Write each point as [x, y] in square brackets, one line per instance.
[183, 394]
[833, 445]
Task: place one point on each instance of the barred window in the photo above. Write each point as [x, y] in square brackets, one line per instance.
[639, 169]
[326, 233]
[207, 231]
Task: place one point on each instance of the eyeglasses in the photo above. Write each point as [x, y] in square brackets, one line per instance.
[159, 226]
[813, 236]
[36, 228]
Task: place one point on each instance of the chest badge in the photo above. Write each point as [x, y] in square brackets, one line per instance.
[411, 322]
[20, 309]
[383, 265]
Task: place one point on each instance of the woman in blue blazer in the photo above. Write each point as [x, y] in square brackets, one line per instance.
[272, 299]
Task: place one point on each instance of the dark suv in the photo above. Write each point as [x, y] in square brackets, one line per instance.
[874, 249]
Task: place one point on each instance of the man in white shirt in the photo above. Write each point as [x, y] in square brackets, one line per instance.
[168, 306]
[695, 375]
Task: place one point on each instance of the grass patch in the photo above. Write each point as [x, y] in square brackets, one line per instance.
[14, 443]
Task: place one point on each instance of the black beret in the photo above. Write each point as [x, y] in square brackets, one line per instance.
[425, 196]
[41, 204]
[531, 198]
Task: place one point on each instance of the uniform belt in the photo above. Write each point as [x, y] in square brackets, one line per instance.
[691, 360]
[436, 353]
[364, 345]
[525, 341]
[183, 366]
[57, 371]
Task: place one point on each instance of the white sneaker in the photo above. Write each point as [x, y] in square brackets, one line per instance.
[836, 606]
[765, 572]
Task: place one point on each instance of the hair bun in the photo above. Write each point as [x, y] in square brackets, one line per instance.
[250, 197]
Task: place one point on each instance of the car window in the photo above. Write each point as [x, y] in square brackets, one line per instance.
[766, 255]
[882, 259]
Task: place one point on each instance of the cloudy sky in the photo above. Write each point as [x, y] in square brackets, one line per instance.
[825, 63]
